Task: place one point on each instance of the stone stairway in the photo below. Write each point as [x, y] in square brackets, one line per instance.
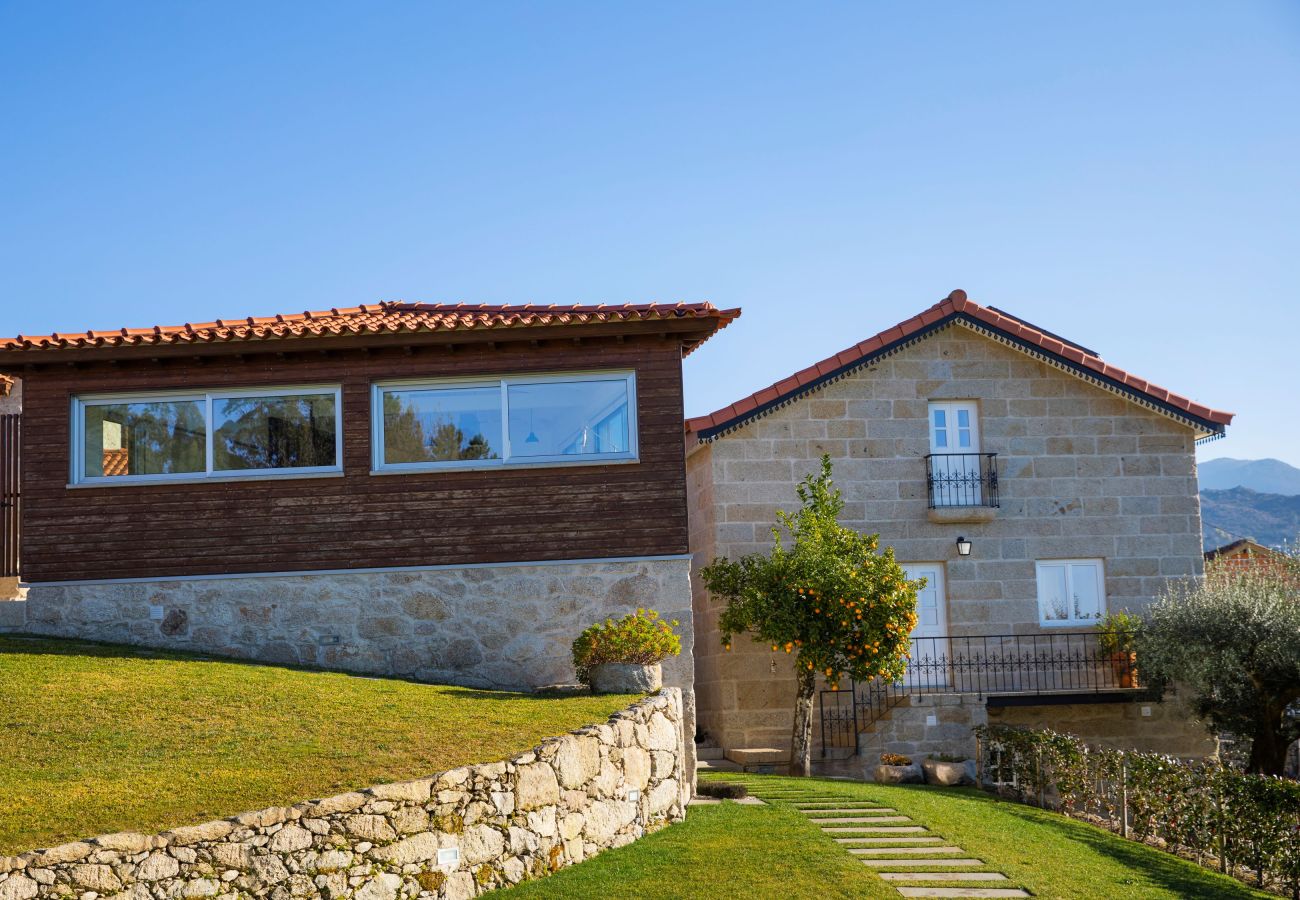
[896, 848]
[709, 757]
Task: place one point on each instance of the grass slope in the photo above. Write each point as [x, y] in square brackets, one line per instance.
[761, 852]
[100, 738]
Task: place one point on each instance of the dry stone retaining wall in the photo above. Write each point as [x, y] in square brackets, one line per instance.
[566, 800]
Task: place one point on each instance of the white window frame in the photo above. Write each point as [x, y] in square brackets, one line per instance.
[1072, 622]
[504, 382]
[78, 474]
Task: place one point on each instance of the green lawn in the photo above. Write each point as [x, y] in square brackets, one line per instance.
[99, 738]
[773, 852]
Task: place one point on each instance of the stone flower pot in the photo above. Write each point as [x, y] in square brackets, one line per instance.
[626, 678]
[946, 774]
[883, 774]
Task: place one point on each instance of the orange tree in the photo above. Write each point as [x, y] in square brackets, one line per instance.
[824, 593]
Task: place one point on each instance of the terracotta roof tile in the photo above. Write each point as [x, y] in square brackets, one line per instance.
[381, 318]
[957, 304]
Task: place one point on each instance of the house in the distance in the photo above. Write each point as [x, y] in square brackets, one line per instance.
[449, 493]
[1034, 486]
[1243, 554]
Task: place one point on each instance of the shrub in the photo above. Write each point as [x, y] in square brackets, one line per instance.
[895, 759]
[640, 638]
[1211, 813]
[723, 790]
[947, 758]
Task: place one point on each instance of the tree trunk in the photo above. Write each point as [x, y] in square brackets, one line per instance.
[1267, 746]
[801, 745]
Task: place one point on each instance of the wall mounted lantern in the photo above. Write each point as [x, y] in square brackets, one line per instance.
[963, 547]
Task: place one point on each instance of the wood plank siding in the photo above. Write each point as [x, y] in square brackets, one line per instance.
[358, 520]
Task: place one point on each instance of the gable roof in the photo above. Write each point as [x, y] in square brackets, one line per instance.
[1248, 546]
[1000, 326]
[382, 318]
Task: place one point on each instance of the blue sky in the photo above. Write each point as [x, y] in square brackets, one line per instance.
[1124, 174]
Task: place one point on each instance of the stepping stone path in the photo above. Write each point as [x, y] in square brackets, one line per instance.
[903, 851]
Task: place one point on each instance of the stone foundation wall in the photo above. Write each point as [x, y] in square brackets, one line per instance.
[569, 798]
[1170, 728]
[507, 627]
[930, 724]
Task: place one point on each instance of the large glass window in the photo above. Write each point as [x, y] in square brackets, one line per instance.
[505, 421]
[227, 433]
[568, 418]
[1071, 591]
[146, 437]
[294, 431]
[425, 425]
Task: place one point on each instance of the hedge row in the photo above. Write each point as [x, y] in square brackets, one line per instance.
[1220, 817]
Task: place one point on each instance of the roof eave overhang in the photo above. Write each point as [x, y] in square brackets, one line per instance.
[1204, 429]
[691, 332]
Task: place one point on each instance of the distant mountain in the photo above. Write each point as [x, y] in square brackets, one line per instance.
[1268, 476]
[1271, 519]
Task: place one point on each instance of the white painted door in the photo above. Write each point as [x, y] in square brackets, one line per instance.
[930, 653]
[954, 448]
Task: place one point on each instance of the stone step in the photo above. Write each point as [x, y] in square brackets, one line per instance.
[717, 765]
[902, 851]
[758, 756]
[709, 753]
[860, 811]
[885, 829]
[887, 840]
[943, 876]
[965, 861]
[961, 892]
[843, 828]
[856, 820]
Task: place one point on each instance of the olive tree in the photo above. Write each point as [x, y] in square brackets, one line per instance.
[824, 593]
[1233, 639]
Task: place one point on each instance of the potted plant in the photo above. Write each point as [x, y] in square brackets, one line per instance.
[623, 656]
[1118, 634]
[895, 768]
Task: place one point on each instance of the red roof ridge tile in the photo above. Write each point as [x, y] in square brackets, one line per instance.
[956, 303]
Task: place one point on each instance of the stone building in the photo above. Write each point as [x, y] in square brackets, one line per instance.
[1035, 487]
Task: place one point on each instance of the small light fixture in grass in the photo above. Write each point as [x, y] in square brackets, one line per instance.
[622, 657]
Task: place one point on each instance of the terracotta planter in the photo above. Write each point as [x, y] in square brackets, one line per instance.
[626, 678]
[1124, 665]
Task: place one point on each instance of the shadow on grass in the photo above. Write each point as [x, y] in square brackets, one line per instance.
[38, 645]
[1181, 876]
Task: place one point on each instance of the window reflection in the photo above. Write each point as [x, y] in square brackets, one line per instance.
[442, 425]
[571, 418]
[273, 432]
[162, 437]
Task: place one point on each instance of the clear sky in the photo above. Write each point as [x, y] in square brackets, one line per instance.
[1126, 174]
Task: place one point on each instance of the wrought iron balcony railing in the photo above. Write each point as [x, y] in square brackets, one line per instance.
[961, 479]
[1003, 664]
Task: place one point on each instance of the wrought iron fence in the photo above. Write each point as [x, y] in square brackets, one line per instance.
[961, 479]
[1000, 664]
